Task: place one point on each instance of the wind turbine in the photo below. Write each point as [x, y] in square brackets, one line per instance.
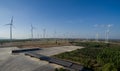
[97, 37]
[11, 26]
[32, 29]
[54, 34]
[38, 36]
[55, 37]
[44, 33]
[107, 33]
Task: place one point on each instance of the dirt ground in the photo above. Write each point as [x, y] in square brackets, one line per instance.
[21, 62]
[32, 44]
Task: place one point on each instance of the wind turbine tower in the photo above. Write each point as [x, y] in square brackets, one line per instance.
[55, 37]
[11, 26]
[44, 33]
[38, 36]
[54, 34]
[32, 28]
[107, 33]
[97, 37]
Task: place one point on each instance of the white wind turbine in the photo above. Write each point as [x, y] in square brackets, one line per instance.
[44, 33]
[32, 30]
[54, 34]
[55, 37]
[97, 37]
[107, 33]
[11, 26]
[97, 34]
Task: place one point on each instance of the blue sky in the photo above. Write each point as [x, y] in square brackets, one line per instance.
[68, 18]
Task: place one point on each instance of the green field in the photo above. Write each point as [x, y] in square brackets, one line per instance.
[97, 56]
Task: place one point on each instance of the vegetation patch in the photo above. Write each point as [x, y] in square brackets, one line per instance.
[61, 69]
[97, 56]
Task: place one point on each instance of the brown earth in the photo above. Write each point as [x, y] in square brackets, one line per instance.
[40, 44]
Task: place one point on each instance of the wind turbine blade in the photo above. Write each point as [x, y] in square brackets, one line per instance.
[7, 24]
[12, 20]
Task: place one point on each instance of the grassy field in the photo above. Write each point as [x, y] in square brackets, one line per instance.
[97, 56]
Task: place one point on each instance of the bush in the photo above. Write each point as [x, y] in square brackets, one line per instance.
[109, 67]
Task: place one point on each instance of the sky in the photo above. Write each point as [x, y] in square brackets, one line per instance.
[60, 18]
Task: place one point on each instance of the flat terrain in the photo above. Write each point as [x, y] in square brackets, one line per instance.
[57, 50]
[9, 62]
[42, 43]
[6, 52]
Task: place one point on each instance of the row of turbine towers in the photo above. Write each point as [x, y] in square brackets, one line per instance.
[107, 32]
[32, 30]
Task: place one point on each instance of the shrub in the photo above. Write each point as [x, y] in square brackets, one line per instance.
[109, 67]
